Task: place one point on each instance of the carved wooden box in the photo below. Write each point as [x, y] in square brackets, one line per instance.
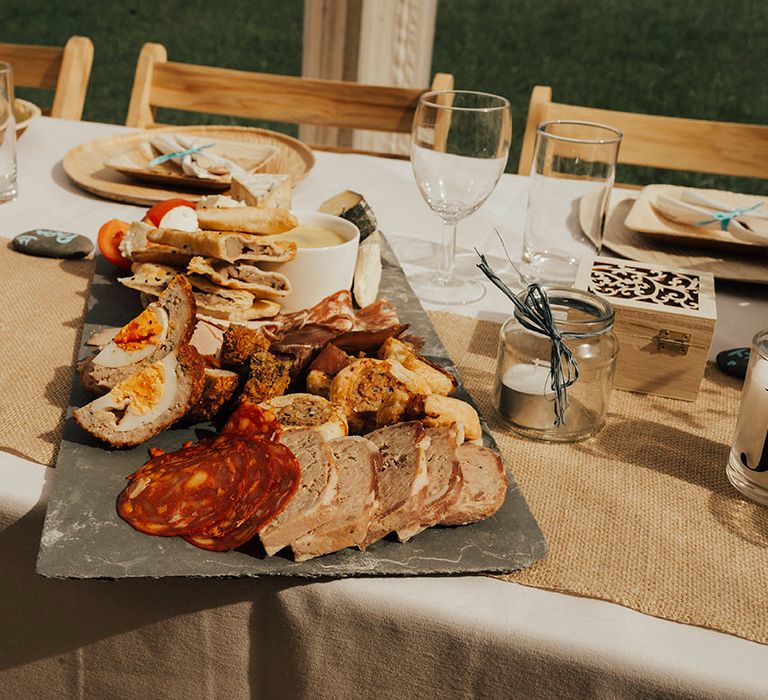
[664, 322]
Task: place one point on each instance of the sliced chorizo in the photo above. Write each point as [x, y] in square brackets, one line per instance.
[188, 490]
[249, 420]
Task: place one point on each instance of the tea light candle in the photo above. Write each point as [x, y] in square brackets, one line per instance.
[524, 397]
[750, 445]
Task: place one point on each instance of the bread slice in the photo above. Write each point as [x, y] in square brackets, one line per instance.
[135, 245]
[484, 486]
[444, 481]
[310, 507]
[162, 327]
[257, 220]
[306, 411]
[357, 461]
[147, 402]
[401, 480]
[225, 246]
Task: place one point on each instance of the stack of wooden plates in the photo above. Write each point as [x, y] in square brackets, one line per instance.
[637, 231]
[117, 167]
[25, 113]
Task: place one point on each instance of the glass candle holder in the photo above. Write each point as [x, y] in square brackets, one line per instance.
[747, 466]
[522, 394]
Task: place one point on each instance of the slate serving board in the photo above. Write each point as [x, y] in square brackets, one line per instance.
[83, 537]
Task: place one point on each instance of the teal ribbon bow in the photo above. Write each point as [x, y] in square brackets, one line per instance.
[725, 217]
[178, 154]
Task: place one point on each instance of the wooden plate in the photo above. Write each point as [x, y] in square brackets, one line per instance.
[85, 164]
[751, 267]
[644, 219]
[135, 163]
[25, 113]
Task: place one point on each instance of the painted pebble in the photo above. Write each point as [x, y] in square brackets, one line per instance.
[733, 362]
[52, 244]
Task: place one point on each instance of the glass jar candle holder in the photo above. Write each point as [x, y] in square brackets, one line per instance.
[747, 466]
[522, 395]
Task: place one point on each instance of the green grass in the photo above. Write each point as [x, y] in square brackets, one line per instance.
[703, 59]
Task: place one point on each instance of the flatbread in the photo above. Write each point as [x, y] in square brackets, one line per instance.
[256, 220]
[231, 247]
[241, 275]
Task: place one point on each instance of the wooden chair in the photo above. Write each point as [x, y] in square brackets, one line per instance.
[694, 145]
[65, 71]
[161, 83]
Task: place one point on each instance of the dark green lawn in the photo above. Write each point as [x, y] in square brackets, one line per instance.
[704, 58]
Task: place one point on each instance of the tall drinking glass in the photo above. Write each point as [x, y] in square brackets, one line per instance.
[459, 146]
[7, 135]
[574, 165]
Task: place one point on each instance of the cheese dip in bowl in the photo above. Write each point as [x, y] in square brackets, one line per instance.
[325, 258]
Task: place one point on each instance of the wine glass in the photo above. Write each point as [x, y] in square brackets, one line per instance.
[459, 146]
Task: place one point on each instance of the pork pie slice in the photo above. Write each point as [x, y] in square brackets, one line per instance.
[307, 411]
[401, 480]
[147, 402]
[484, 486]
[241, 275]
[225, 245]
[162, 327]
[357, 460]
[309, 508]
[444, 477]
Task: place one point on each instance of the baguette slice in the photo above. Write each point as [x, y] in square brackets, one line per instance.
[310, 507]
[162, 327]
[401, 480]
[357, 460]
[484, 486]
[224, 246]
[262, 221]
[147, 402]
[306, 411]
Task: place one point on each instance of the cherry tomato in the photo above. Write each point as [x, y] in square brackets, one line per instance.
[110, 235]
[155, 214]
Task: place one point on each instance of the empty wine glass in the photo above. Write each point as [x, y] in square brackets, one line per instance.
[459, 146]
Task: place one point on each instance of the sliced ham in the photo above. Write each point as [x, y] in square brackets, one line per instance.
[401, 479]
[357, 460]
[309, 509]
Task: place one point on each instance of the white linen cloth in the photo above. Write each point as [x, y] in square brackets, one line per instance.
[455, 637]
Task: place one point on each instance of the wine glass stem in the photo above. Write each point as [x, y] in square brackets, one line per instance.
[448, 251]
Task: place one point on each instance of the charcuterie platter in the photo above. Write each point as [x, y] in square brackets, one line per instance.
[84, 537]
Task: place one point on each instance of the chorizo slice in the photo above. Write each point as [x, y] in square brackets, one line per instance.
[188, 490]
[283, 485]
[249, 420]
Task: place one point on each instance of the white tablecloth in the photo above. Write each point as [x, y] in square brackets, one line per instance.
[416, 637]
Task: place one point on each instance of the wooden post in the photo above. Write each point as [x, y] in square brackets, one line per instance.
[380, 42]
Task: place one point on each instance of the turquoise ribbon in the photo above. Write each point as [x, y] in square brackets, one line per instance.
[725, 217]
[178, 154]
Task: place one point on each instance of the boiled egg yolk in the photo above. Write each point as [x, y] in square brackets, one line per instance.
[145, 328]
[141, 392]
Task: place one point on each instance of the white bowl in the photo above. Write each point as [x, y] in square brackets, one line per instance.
[317, 272]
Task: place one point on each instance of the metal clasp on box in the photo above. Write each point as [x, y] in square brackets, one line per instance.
[674, 341]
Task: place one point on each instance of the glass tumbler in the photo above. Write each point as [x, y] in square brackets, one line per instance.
[7, 135]
[522, 395]
[572, 174]
[747, 466]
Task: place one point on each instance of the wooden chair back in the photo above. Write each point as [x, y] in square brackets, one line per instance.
[206, 89]
[673, 143]
[66, 71]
